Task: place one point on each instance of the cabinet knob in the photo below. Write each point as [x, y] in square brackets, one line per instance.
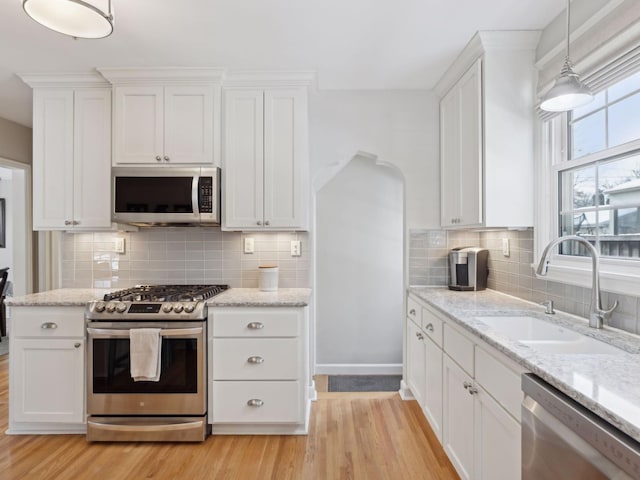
[429, 327]
[472, 391]
[158, 158]
[76, 222]
[259, 222]
[255, 402]
[266, 222]
[255, 359]
[49, 326]
[77, 345]
[412, 311]
[166, 158]
[419, 335]
[255, 325]
[466, 385]
[68, 222]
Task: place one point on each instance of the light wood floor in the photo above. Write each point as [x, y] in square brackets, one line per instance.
[352, 436]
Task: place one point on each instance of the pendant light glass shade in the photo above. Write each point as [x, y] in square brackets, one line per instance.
[75, 18]
[568, 92]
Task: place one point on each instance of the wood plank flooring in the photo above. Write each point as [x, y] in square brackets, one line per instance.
[366, 436]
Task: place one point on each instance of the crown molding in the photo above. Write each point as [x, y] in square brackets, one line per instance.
[162, 75]
[76, 80]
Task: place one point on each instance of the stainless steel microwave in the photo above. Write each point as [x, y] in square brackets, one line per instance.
[166, 196]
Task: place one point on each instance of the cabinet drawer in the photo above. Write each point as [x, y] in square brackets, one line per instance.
[47, 322]
[256, 359]
[414, 310]
[432, 326]
[240, 322]
[459, 348]
[500, 381]
[257, 402]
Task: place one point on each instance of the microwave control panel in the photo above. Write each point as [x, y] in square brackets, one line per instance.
[205, 194]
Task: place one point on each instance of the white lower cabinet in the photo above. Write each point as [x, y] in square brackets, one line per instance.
[259, 370]
[470, 396]
[47, 376]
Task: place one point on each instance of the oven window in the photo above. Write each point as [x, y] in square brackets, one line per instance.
[153, 194]
[112, 372]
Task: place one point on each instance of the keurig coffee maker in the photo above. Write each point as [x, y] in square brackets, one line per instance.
[469, 268]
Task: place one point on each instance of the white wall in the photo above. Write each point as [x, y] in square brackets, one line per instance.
[359, 270]
[400, 127]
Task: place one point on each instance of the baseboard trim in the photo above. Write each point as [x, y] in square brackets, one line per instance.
[405, 391]
[359, 369]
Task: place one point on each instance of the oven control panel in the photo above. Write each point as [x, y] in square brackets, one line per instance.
[117, 310]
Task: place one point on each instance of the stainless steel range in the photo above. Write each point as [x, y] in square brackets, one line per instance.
[174, 408]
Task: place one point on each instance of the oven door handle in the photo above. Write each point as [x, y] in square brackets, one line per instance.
[169, 332]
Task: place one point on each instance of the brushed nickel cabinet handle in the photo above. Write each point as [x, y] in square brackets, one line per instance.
[259, 222]
[166, 158]
[429, 327]
[158, 158]
[49, 326]
[266, 222]
[77, 345]
[68, 222]
[255, 325]
[412, 311]
[255, 359]
[473, 391]
[255, 402]
[466, 385]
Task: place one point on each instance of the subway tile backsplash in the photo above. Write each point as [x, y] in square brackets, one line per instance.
[180, 255]
[513, 274]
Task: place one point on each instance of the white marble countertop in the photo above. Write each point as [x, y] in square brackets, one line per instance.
[60, 297]
[607, 384]
[252, 297]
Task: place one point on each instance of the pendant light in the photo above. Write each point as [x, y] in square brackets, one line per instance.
[568, 92]
[76, 18]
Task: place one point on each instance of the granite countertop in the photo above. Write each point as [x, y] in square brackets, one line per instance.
[252, 297]
[60, 297]
[607, 384]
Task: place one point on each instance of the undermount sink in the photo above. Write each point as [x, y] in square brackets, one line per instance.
[546, 337]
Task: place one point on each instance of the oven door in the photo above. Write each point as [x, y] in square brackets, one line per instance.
[180, 389]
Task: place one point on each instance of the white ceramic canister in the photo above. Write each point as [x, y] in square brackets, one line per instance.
[268, 278]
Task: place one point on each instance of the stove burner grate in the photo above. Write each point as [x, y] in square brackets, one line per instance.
[166, 293]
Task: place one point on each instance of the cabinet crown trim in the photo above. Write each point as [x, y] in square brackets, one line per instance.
[481, 43]
[163, 75]
[64, 80]
[267, 78]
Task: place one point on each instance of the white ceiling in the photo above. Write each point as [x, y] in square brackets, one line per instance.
[351, 44]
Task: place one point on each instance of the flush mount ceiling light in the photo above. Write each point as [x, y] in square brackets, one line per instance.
[76, 18]
[568, 92]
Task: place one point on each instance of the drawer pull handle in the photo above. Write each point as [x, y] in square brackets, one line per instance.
[255, 402]
[419, 335]
[412, 311]
[77, 345]
[473, 391]
[255, 359]
[429, 327]
[466, 385]
[49, 326]
[255, 325]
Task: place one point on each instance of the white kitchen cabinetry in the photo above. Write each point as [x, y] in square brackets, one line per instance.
[165, 116]
[259, 370]
[487, 132]
[472, 397]
[71, 153]
[47, 370]
[416, 361]
[266, 158]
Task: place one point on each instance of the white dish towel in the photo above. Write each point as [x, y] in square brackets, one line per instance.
[144, 351]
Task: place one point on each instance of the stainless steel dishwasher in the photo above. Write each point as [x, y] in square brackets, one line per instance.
[563, 440]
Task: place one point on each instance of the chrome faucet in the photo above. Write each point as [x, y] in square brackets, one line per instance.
[597, 315]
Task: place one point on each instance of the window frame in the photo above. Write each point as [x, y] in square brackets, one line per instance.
[617, 275]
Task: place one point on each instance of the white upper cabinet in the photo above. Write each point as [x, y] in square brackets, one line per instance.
[166, 116]
[71, 153]
[486, 132]
[265, 158]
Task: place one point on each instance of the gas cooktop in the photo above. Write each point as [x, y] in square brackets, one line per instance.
[154, 303]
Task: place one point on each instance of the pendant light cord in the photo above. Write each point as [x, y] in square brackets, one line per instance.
[568, 26]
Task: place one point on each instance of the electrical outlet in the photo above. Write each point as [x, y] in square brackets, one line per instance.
[248, 245]
[295, 248]
[505, 247]
[118, 245]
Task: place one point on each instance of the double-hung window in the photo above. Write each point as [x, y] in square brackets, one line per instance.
[594, 153]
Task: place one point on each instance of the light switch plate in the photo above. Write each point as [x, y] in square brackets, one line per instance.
[248, 245]
[295, 248]
[118, 245]
[505, 247]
